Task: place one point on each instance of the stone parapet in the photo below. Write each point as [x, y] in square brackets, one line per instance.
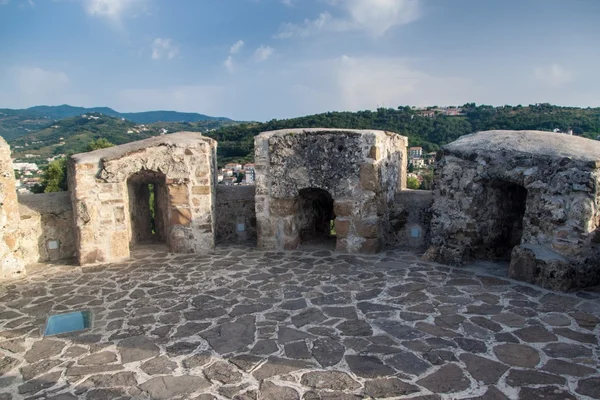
[12, 264]
[46, 227]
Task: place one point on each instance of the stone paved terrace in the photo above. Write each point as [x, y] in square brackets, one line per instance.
[239, 323]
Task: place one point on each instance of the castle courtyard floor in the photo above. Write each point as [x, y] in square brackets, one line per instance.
[239, 323]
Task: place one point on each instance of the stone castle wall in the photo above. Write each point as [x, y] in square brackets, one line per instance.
[532, 194]
[11, 258]
[410, 218]
[531, 198]
[46, 227]
[235, 214]
[182, 167]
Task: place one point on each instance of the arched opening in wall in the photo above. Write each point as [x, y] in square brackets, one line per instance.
[315, 218]
[148, 208]
[504, 209]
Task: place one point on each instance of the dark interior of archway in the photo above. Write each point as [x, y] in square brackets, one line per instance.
[148, 201]
[315, 215]
[504, 212]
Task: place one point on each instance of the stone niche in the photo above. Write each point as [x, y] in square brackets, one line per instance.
[111, 191]
[528, 197]
[309, 181]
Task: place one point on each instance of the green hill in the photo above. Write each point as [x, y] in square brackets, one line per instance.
[236, 142]
[72, 135]
[15, 123]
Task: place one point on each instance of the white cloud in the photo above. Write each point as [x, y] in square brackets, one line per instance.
[375, 17]
[237, 46]
[164, 48]
[112, 9]
[553, 75]
[229, 65]
[262, 53]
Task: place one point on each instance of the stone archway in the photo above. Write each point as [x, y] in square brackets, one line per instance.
[110, 191]
[354, 173]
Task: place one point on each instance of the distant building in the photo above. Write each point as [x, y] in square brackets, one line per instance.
[417, 162]
[452, 112]
[233, 166]
[249, 176]
[249, 167]
[415, 152]
[426, 113]
[25, 166]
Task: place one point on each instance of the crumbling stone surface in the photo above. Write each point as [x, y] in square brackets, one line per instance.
[496, 190]
[109, 192]
[359, 171]
[410, 218]
[46, 217]
[11, 257]
[236, 216]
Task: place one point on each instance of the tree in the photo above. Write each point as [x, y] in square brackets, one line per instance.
[411, 168]
[412, 182]
[240, 177]
[100, 143]
[54, 178]
[426, 183]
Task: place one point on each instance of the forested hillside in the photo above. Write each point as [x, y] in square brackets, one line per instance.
[236, 142]
[16, 123]
[72, 135]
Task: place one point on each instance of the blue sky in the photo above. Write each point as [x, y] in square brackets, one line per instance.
[263, 59]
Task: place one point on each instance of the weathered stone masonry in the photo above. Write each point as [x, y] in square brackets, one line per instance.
[108, 187]
[531, 197]
[358, 171]
[11, 259]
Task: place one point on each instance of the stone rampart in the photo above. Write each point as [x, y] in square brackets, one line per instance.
[235, 214]
[11, 258]
[46, 227]
[410, 218]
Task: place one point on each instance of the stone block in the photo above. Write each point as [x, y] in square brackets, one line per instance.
[283, 207]
[91, 256]
[289, 227]
[178, 194]
[119, 244]
[201, 190]
[370, 246]
[341, 245]
[181, 216]
[291, 243]
[541, 266]
[342, 227]
[343, 208]
[367, 228]
[374, 153]
[369, 177]
[265, 227]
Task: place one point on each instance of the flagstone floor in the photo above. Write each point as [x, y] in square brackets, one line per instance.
[239, 323]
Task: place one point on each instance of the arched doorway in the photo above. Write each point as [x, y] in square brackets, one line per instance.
[315, 218]
[148, 208]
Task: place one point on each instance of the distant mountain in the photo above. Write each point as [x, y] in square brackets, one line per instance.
[15, 123]
[73, 134]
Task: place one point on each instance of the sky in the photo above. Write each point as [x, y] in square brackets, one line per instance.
[265, 59]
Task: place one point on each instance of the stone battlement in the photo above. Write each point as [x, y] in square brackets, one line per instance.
[526, 197]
